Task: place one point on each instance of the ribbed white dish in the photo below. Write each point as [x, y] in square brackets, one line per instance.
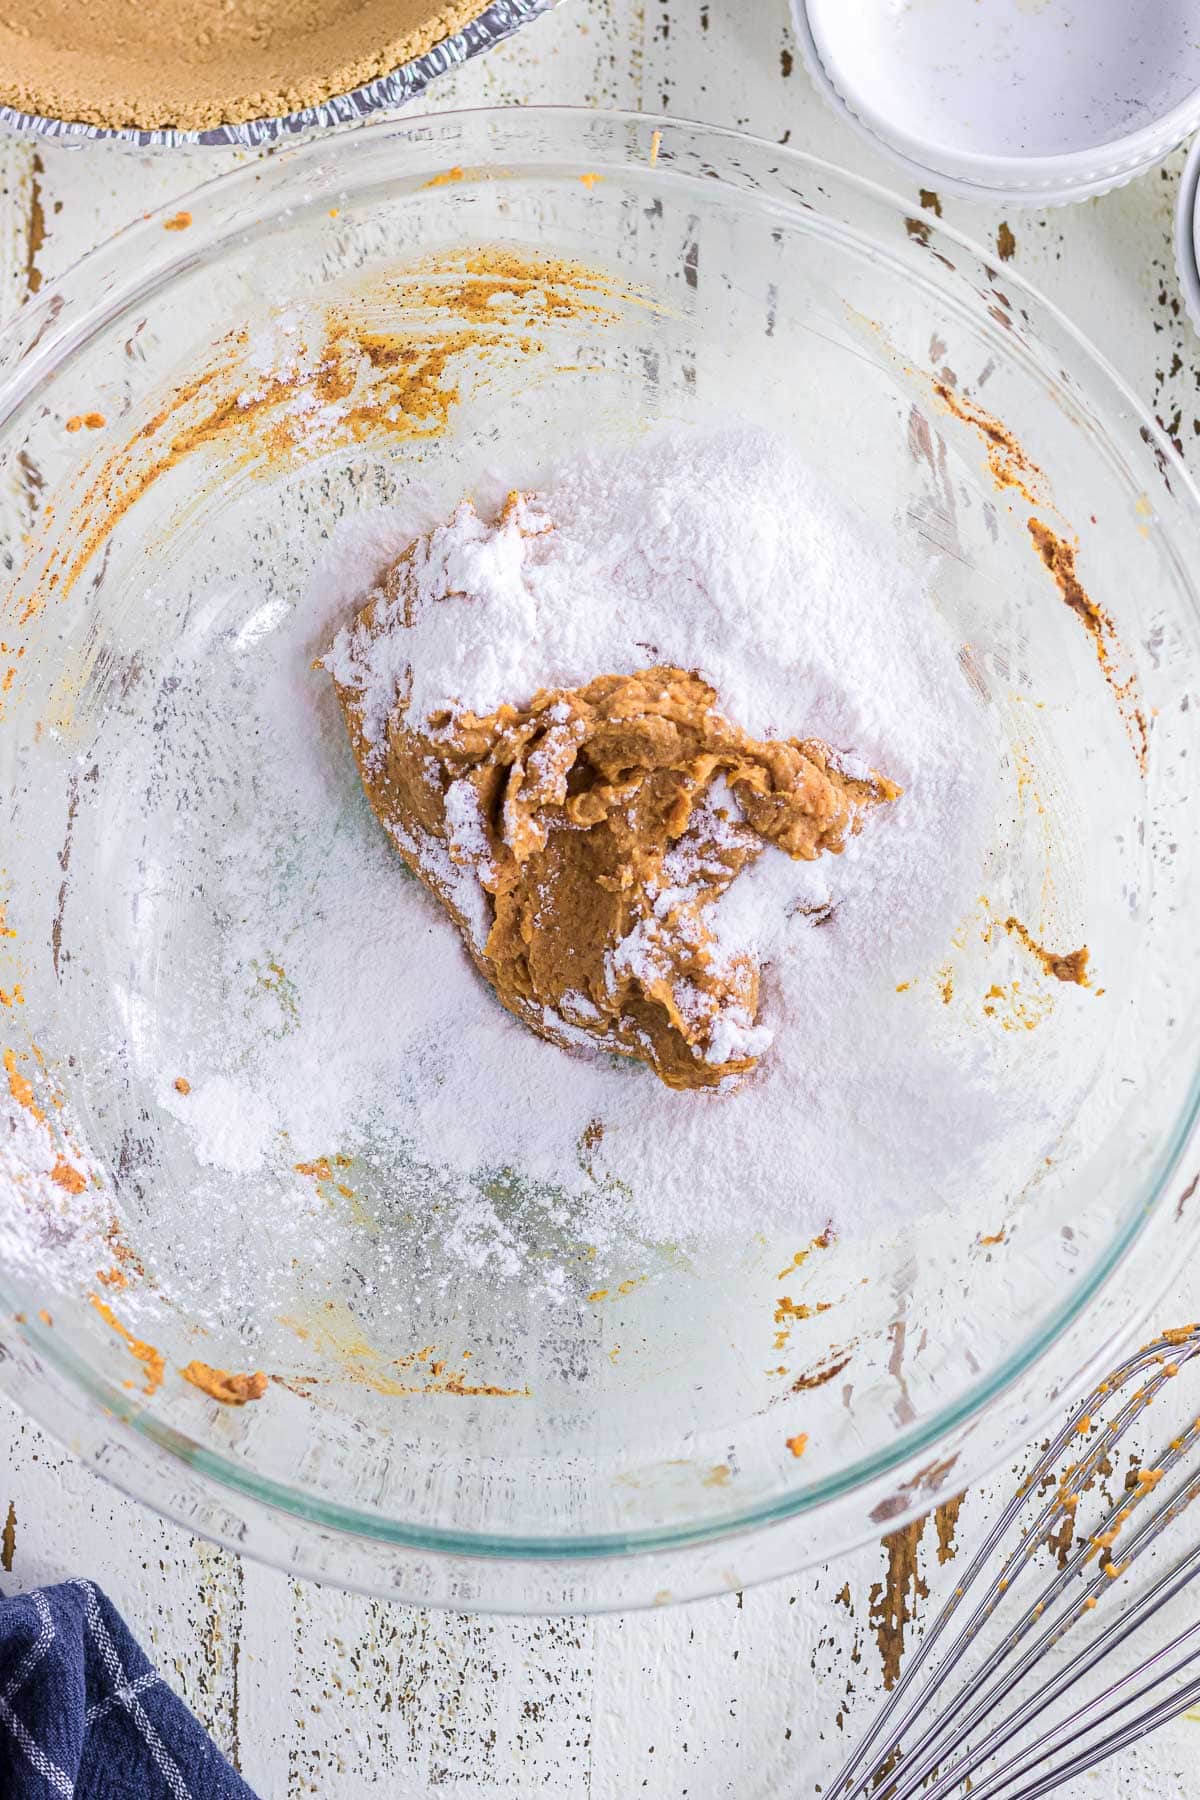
[1036, 102]
[1187, 234]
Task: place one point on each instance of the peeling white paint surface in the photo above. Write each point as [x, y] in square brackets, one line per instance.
[314, 1692]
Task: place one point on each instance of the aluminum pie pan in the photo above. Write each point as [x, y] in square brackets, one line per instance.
[495, 22]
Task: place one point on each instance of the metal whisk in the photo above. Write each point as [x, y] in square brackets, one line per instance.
[989, 1705]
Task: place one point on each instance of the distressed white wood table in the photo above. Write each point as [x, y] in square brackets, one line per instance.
[311, 1691]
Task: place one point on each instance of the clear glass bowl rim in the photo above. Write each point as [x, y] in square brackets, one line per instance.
[131, 266]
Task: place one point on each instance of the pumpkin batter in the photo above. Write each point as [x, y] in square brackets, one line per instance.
[220, 1384]
[600, 824]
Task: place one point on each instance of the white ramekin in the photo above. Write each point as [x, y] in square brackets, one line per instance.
[887, 68]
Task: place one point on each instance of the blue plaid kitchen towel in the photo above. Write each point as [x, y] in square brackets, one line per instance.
[83, 1716]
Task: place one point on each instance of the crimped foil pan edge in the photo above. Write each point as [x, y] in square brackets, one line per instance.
[496, 22]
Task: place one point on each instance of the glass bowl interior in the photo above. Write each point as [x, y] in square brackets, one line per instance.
[458, 1369]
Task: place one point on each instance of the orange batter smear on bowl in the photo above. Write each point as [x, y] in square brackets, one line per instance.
[1070, 965]
[220, 1384]
[151, 1359]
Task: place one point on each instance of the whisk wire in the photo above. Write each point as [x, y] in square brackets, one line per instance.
[1143, 1608]
[1061, 1737]
[1095, 1753]
[910, 1746]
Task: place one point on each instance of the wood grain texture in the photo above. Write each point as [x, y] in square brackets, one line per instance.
[315, 1692]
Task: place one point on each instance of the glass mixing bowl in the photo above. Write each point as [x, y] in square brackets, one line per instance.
[186, 418]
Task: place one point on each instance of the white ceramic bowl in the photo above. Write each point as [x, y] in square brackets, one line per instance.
[1040, 103]
[1187, 248]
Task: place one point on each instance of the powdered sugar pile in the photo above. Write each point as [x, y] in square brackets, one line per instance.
[715, 552]
[719, 553]
[724, 555]
[46, 1223]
